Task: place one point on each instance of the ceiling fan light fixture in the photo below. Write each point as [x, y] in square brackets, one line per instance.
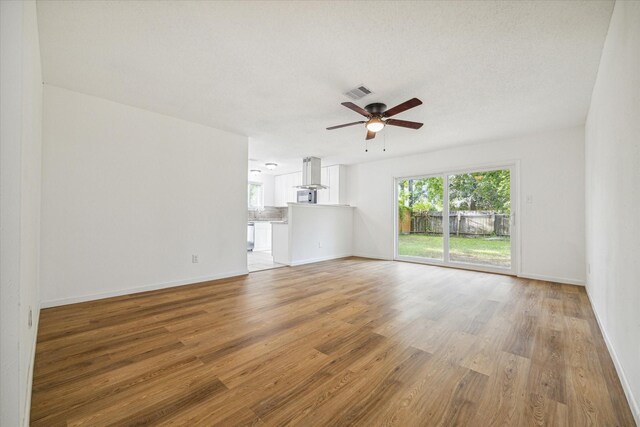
[378, 117]
[271, 166]
[375, 124]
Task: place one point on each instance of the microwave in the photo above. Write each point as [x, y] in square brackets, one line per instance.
[307, 196]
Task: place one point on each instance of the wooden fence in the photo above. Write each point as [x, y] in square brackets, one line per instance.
[465, 223]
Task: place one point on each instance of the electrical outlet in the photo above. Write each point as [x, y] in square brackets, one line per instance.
[30, 320]
[319, 244]
[529, 199]
[194, 259]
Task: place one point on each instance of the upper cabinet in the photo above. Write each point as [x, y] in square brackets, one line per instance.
[333, 177]
[278, 191]
[323, 195]
[285, 188]
[296, 180]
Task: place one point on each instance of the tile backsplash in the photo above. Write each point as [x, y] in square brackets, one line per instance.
[269, 213]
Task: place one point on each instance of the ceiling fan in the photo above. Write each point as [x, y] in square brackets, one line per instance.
[378, 116]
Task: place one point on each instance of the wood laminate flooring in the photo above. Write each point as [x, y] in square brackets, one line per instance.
[344, 342]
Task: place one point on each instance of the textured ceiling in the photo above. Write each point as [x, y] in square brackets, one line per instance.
[277, 71]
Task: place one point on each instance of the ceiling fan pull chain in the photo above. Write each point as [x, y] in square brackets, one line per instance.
[384, 142]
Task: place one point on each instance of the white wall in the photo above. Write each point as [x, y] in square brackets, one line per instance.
[319, 232]
[551, 172]
[129, 195]
[613, 196]
[20, 135]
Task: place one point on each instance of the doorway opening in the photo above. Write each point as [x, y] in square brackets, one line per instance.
[259, 227]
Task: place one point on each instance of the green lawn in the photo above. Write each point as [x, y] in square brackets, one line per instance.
[479, 250]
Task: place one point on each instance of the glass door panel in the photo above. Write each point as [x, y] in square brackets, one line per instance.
[420, 212]
[480, 218]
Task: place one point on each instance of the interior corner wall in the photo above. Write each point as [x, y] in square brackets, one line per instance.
[613, 196]
[21, 142]
[551, 176]
[130, 195]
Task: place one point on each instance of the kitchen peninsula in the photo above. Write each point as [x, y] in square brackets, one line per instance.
[313, 233]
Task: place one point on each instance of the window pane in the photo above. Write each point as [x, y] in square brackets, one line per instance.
[420, 205]
[479, 218]
[255, 196]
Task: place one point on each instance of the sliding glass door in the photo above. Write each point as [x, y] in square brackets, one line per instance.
[460, 219]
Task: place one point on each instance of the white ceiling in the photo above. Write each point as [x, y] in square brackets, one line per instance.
[277, 71]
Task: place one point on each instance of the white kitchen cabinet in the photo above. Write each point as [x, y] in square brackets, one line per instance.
[333, 177]
[323, 195]
[279, 196]
[334, 184]
[285, 188]
[295, 181]
[263, 236]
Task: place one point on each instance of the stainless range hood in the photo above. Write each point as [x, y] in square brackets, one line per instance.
[311, 174]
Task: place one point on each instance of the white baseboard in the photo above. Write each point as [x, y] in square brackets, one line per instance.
[145, 288]
[551, 279]
[633, 403]
[26, 416]
[320, 259]
[372, 256]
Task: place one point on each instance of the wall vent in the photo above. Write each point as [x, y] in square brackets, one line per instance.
[359, 92]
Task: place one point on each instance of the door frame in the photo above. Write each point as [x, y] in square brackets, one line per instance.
[514, 167]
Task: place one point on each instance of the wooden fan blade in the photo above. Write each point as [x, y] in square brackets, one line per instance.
[370, 135]
[413, 102]
[345, 125]
[354, 107]
[404, 123]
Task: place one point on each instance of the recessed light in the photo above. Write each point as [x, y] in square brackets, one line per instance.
[271, 166]
[255, 171]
